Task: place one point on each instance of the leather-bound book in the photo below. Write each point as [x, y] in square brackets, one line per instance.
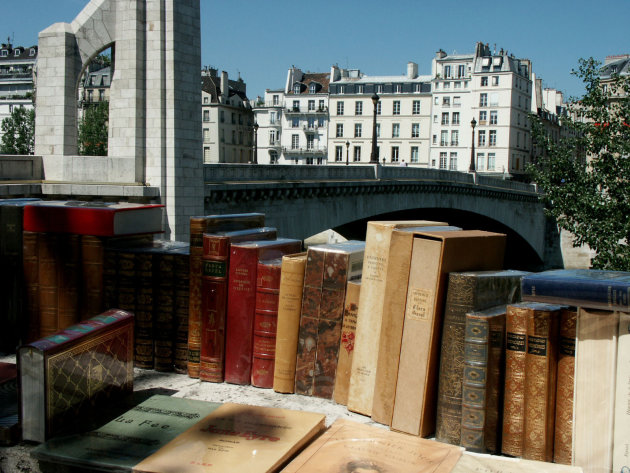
[30, 267]
[244, 258]
[483, 380]
[164, 310]
[563, 436]
[182, 288]
[92, 261]
[265, 322]
[466, 292]
[346, 344]
[71, 374]
[198, 226]
[214, 289]
[144, 285]
[289, 307]
[328, 268]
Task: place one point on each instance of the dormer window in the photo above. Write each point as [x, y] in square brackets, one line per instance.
[31, 52]
[17, 52]
[4, 53]
[496, 61]
[312, 88]
[297, 88]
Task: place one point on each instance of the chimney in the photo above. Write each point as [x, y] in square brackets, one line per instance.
[225, 87]
[441, 54]
[412, 70]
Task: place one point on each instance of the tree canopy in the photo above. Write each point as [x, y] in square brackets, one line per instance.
[584, 176]
[93, 130]
[18, 132]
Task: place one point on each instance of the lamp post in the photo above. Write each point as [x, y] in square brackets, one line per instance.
[347, 152]
[374, 155]
[473, 124]
[255, 143]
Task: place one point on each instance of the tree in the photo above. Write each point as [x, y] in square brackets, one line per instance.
[585, 176]
[18, 132]
[93, 130]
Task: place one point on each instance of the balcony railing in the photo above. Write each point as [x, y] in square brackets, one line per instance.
[314, 150]
[306, 110]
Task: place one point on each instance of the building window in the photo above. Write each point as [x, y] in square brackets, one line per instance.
[310, 142]
[396, 107]
[272, 137]
[435, 118]
[356, 154]
[495, 80]
[484, 81]
[416, 107]
[206, 135]
[457, 101]
[444, 138]
[297, 88]
[395, 130]
[206, 154]
[339, 108]
[447, 71]
[240, 137]
[295, 123]
[414, 154]
[342, 89]
[311, 105]
[481, 141]
[397, 88]
[321, 122]
[233, 137]
[434, 139]
[483, 100]
[357, 130]
[455, 118]
[447, 85]
[360, 89]
[492, 138]
[481, 158]
[454, 138]
[491, 161]
[446, 101]
[311, 123]
[461, 70]
[436, 100]
[493, 117]
[358, 108]
[233, 119]
[313, 88]
[205, 100]
[415, 130]
[443, 160]
[295, 141]
[321, 106]
[483, 117]
[272, 118]
[378, 108]
[339, 130]
[275, 100]
[378, 130]
[444, 118]
[240, 119]
[379, 88]
[395, 154]
[452, 165]
[206, 115]
[457, 85]
[338, 153]
[296, 105]
[223, 136]
[273, 157]
[222, 116]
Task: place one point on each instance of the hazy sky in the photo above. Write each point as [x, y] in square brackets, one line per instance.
[260, 40]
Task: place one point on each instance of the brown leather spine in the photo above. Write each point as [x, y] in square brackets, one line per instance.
[30, 260]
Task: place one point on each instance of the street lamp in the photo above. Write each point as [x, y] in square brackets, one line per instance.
[473, 124]
[374, 155]
[255, 143]
[347, 152]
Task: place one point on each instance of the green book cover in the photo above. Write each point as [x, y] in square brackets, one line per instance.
[125, 441]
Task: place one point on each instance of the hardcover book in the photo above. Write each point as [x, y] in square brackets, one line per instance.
[434, 255]
[483, 379]
[621, 434]
[466, 292]
[289, 308]
[182, 292]
[68, 375]
[237, 438]
[346, 345]
[241, 305]
[328, 269]
[9, 423]
[593, 288]
[93, 218]
[563, 436]
[198, 226]
[126, 440]
[352, 447]
[214, 286]
[376, 260]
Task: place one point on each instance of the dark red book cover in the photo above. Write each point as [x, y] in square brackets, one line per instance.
[266, 322]
[244, 258]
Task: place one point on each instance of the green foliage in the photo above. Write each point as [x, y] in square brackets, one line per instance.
[585, 175]
[93, 130]
[18, 132]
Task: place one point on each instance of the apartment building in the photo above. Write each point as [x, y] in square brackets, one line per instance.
[268, 114]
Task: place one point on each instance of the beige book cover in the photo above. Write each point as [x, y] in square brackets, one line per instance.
[346, 344]
[621, 435]
[351, 447]
[237, 438]
[482, 463]
[289, 307]
[434, 255]
[595, 373]
[375, 264]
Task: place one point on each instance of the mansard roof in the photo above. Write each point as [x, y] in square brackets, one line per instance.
[18, 53]
[322, 79]
[620, 66]
[212, 86]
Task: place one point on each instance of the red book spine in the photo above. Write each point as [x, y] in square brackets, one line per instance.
[213, 306]
[266, 323]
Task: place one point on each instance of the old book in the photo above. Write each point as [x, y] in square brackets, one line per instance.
[597, 289]
[70, 374]
[30, 267]
[476, 463]
[466, 292]
[563, 435]
[93, 218]
[127, 439]
[595, 381]
[214, 287]
[265, 322]
[621, 433]
[289, 308]
[483, 380]
[346, 345]
[349, 446]
[328, 269]
[375, 264]
[92, 259]
[9, 422]
[434, 255]
[142, 286]
[237, 437]
[182, 289]
[394, 299]
[198, 226]
[540, 382]
[244, 258]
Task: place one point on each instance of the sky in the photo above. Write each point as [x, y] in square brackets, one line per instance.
[260, 40]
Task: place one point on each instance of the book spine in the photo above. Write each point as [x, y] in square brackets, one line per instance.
[11, 277]
[214, 307]
[182, 290]
[92, 262]
[144, 307]
[309, 322]
[68, 280]
[265, 324]
[621, 433]
[194, 296]
[495, 385]
[563, 435]
[514, 394]
[110, 278]
[289, 306]
[346, 345]
[164, 312]
[48, 283]
[460, 298]
[30, 264]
